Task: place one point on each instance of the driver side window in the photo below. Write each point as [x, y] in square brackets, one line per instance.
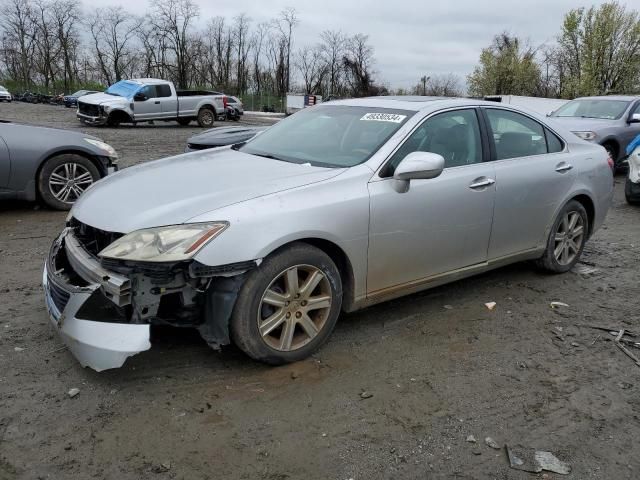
[455, 135]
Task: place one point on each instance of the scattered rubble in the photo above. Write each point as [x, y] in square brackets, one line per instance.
[535, 461]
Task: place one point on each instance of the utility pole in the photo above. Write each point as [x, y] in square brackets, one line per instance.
[424, 81]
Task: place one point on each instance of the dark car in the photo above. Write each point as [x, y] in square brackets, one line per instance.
[222, 136]
[53, 165]
[72, 100]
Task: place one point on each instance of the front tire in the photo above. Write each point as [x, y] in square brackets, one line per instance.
[288, 307]
[206, 117]
[567, 239]
[632, 192]
[64, 178]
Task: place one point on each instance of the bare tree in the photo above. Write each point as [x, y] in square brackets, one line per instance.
[357, 63]
[333, 49]
[19, 37]
[174, 19]
[65, 14]
[287, 21]
[241, 34]
[113, 31]
[312, 68]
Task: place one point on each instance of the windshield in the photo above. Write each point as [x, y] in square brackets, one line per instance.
[604, 109]
[123, 88]
[79, 93]
[329, 135]
[2, 89]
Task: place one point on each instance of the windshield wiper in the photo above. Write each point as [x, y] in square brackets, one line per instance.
[269, 156]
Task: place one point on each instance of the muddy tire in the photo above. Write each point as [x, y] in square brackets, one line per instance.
[567, 239]
[113, 120]
[184, 121]
[631, 192]
[64, 178]
[206, 117]
[288, 306]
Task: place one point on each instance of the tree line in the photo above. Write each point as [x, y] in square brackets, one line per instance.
[597, 52]
[60, 45]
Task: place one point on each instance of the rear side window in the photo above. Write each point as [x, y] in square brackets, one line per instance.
[515, 135]
[554, 144]
[163, 90]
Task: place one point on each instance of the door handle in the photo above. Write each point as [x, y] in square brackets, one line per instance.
[481, 183]
[157, 103]
[563, 167]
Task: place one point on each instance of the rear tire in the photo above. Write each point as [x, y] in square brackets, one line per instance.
[567, 239]
[63, 178]
[206, 117]
[309, 314]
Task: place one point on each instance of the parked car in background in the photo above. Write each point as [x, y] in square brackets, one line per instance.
[72, 100]
[236, 104]
[222, 136]
[147, 99]
[5, 96]
[56, 166]
[611, 121]
[632, 185]
[333, 209]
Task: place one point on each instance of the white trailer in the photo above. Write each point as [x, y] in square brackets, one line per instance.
[540, 105]
[296, 101]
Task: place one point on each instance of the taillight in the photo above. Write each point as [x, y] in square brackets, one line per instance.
[611, 163]
[224, 100]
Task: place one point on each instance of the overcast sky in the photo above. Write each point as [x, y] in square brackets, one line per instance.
[411, 38]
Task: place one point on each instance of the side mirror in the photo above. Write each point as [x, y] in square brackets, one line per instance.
[139, 97]
[417, 166]
[635, 118]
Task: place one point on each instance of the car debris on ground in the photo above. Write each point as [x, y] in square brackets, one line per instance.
[535, 461]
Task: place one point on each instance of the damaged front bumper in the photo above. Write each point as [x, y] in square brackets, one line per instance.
[103, 309]
[100, 345]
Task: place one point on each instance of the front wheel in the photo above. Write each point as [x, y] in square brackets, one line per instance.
[567, 239]
[632, 192]
[64, 178]
[206, 118]
[288, 306]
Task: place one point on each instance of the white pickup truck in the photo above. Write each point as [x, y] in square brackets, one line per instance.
[147, 99]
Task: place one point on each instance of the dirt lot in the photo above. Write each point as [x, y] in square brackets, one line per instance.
[439, 366]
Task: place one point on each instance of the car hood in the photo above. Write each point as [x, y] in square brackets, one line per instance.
[225, 135]
[173, 190]
[102, 99]
[579, 124]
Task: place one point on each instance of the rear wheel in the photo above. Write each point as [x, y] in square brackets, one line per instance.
[206, 117]
[64, 178]
[567, 239]
[288, 306]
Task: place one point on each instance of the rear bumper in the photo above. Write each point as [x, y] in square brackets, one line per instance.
[103, 344]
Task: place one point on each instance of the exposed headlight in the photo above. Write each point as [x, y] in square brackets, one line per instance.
[586, 135]
[108, 149]
[164, 244]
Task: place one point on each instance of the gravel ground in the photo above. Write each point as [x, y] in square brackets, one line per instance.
[435, 368]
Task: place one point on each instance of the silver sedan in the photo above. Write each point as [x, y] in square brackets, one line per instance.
[335, 208]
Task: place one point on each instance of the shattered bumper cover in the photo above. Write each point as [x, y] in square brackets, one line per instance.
[103, 344]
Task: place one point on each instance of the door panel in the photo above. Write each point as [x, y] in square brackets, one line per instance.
[439, 225]
[151, 107]
[531, 183]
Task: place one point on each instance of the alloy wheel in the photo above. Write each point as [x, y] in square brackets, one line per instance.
[568, 238]
[68, 181]
[294, 308]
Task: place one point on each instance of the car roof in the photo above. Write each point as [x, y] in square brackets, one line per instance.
[611, 97]
[416, 103]
[148, 81]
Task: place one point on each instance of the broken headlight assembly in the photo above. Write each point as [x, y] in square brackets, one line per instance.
[164, 244]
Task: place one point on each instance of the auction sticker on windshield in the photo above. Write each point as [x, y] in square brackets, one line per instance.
[383, 117]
